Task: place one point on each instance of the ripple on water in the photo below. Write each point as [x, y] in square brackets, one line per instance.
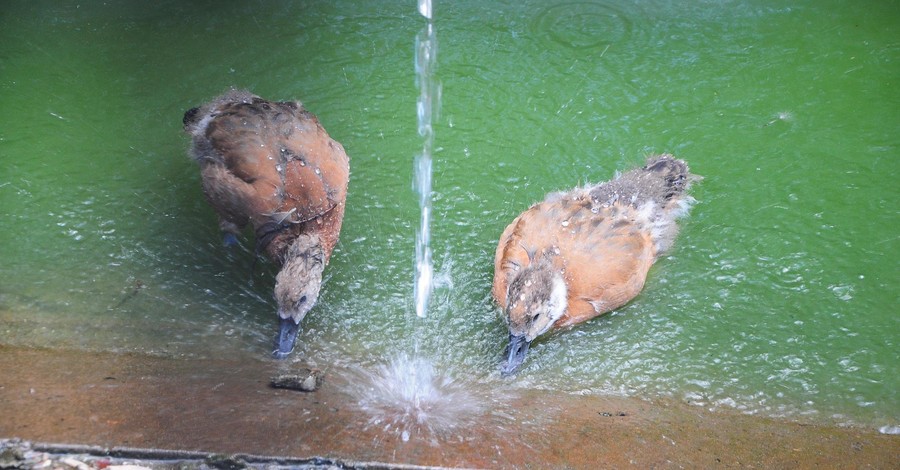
[582, 25]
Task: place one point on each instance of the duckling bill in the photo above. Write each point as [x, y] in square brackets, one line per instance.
[584, 252]
[272, 166]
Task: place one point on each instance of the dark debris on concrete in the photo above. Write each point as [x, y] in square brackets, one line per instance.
[17, 454]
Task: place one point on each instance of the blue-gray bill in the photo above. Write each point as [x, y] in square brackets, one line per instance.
[287, 335]
[515, 354]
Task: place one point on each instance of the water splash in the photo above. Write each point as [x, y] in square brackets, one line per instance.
[427, 108]
[408, 397]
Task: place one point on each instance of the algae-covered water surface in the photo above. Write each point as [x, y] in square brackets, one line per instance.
[778, 299]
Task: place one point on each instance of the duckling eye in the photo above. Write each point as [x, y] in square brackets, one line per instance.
[302, 300]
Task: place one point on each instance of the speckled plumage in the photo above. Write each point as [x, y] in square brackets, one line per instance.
[272, 166]
[584, 252]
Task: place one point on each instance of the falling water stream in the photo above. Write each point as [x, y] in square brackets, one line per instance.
[427, 107]
[421, 371]
[410, 396]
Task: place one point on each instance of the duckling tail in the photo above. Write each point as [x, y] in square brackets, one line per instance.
[673, 175]
[657, 190]
[662, 180]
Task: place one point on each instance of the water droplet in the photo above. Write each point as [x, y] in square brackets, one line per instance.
[842, 292]
[425, 8]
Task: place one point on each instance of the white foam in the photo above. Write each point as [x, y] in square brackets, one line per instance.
[409, 397]
[892, 430]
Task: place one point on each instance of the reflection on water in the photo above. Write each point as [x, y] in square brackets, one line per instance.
[778, 298]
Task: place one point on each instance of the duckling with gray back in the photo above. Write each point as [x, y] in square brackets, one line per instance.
[582, 253]
[272, 166]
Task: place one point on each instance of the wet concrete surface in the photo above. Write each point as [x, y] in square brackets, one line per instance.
[218, 406]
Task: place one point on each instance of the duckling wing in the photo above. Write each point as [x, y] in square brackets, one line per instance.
[272, 162]
[606, 258]
[317, 168]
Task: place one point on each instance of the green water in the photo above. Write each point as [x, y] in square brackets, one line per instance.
[779, 298]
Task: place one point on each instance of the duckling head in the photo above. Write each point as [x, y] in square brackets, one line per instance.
[535, 299]
[297, 289]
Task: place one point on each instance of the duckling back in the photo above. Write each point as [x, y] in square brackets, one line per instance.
[657, 190]
[271, 165]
